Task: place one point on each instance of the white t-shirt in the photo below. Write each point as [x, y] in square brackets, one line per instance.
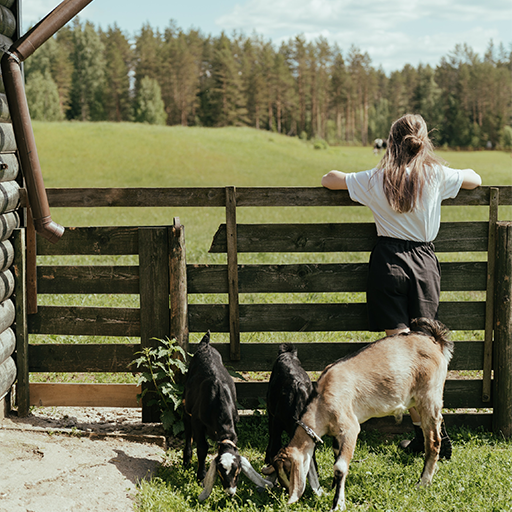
[420, 225]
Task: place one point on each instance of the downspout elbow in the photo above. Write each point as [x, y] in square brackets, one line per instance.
[25, 141]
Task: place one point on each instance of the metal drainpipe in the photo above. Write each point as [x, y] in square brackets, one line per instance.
[22, 126]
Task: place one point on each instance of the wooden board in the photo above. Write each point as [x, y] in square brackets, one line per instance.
[92, 240]
[458, 394]
[7, 376]
[245, 196]
[85, 321]
[84, 395]
[7, 344]
[318, 317]
[297, 278]
[348, 237]
[319, 278]
[90, 357]
[258, 357]
[88, 279]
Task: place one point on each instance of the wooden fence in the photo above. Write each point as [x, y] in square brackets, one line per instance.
[163, 272]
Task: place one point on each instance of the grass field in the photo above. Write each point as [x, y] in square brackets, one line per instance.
[134, 155]
[479, 477]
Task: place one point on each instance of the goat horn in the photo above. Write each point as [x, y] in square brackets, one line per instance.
[253, 475]
[209, 480]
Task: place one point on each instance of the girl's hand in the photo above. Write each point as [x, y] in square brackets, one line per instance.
[335, 180]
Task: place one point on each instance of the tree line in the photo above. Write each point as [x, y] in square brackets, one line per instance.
[313, 90]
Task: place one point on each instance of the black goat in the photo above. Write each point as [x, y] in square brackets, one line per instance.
[210, 409]
[289, 388]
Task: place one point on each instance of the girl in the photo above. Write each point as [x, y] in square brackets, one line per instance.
[404, 193]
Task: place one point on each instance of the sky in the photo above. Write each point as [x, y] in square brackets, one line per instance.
[392, 32]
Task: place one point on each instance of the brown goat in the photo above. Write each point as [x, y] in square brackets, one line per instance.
[385, 378]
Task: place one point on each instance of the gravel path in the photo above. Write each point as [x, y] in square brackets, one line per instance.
[76, 459]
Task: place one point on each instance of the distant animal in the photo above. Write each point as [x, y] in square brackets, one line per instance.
[385, 378]
[210, 409]
[379, 144]
[288, 390]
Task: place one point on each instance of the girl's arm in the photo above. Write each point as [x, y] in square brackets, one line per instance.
[470, 179]
[335, 180]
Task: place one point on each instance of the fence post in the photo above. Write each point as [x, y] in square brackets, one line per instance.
[154, 298]
[20, 291]
[234, 307]
[178, 284]
[502, 413]
[494, 200]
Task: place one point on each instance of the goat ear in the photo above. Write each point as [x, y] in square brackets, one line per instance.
[209, 480]
[253, 475]
[298, 474]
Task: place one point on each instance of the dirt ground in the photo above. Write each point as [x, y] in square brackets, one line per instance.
[76, 459]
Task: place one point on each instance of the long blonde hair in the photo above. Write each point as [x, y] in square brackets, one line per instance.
[409, 146]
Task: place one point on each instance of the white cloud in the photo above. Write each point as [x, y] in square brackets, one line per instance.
[393, 32]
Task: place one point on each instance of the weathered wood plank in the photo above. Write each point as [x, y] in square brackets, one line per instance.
[88, 279]
[502, 350]
[458, 394]
[318, 317]
[6, 285]
[7, 140]
[7, 376]
[134, 197]
[178, 284]
[7, 22]
[154, 300]
[318, 278]
[260, 357]
[5, 115]
[253, 318]
[92, 240]
[7, 314]
[8, 223]
[245, 196]
[489, 295]
[299, 278]
[85, 321]
[348, 237]
[21, 311]
[53, 357]
[9, 196]
[232, 281]
[7, 344]
[83, 395]
[6, 254]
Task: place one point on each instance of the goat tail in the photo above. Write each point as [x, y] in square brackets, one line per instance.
[438, 331]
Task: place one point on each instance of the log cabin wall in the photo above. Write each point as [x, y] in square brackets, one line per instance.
[10, 180]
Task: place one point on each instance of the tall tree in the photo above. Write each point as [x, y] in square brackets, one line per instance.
[89, 73]
[149, 106]
[228, 90]
[118, 65]
[338, 90]
[148, 55]
[43, 97]
[182, 56]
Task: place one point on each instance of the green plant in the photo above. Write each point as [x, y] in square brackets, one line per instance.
[163, 366]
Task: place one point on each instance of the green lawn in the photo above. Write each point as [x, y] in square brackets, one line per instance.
[134, 155]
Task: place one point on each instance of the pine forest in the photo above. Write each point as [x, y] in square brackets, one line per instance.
[313, 90]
